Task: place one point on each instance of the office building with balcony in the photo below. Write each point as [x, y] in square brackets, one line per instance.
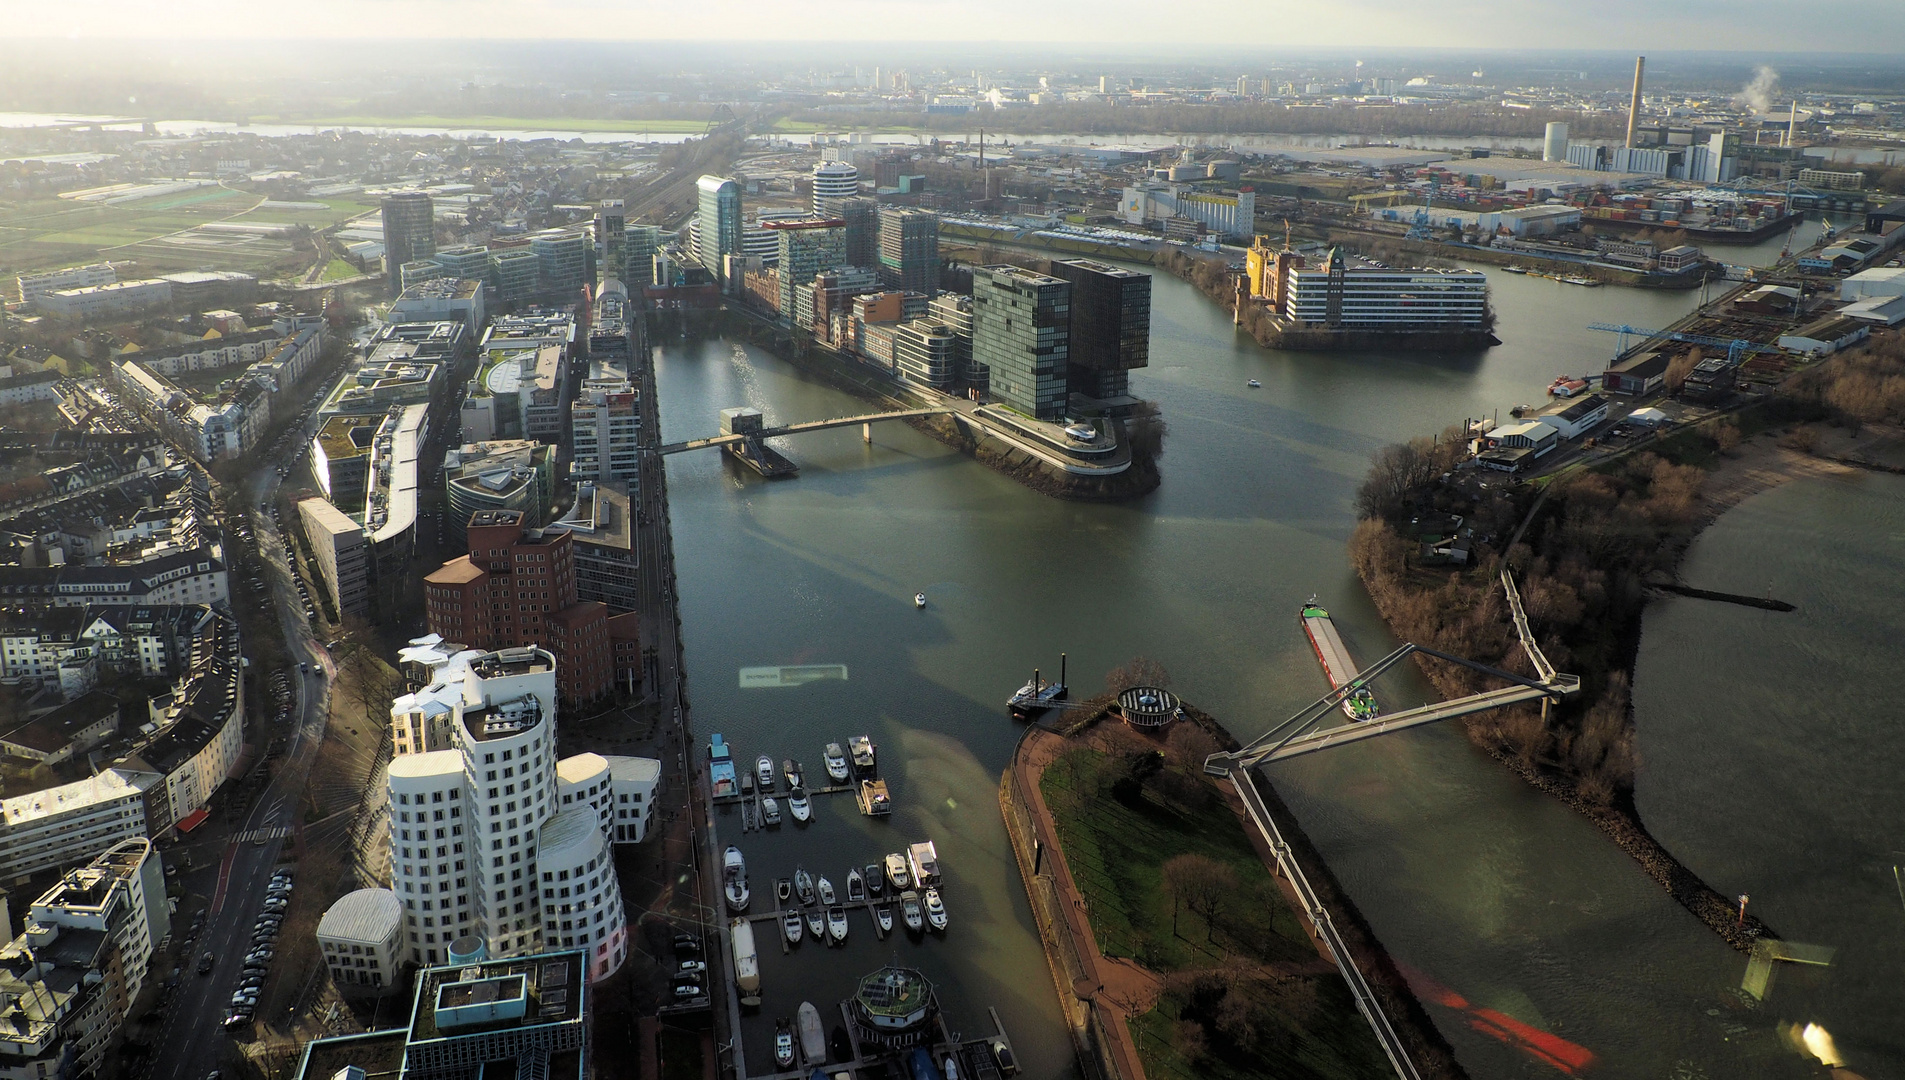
[925, 352]
[1021, 334]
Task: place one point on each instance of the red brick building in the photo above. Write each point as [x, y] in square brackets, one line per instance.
[516, 587]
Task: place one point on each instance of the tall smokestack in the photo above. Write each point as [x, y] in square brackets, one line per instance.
[1792, 124]
[1633, 103]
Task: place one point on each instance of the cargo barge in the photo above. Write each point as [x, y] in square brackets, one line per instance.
[1338, 668]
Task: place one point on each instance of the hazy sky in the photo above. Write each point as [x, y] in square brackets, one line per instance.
[1865, 26]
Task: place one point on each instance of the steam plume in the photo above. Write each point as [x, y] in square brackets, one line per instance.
[1757, 94]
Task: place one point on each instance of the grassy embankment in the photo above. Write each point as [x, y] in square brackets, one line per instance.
[1173, 884]
[40, 233]
[499, 123]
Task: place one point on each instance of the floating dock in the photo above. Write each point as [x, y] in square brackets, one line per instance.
[763, 459]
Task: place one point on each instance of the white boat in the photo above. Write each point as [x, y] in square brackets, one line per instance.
[804, 885]
[1254, 384]
[864, 761]
[816, 924]
[837, 763]
[837, 925]
[764, 772]
[856, 888]
[935, 910]
[909, 910]
[791, 770]
[790, 927]
[732, 865]
[770, 811]
[737, 895]
[896, 875]
[783, 889]
[813, 1038]
[826, 891]
[734, 872]
[783, 1044]
[919, 599]
[884, 916]
[797, 803]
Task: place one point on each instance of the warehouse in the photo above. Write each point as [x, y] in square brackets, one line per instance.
[1636, 375]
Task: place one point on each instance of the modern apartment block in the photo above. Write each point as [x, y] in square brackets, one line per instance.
[639, 245]
[925, 352]
[482, 845]
[562, 261]
[604, 425]
[954, 312]
[1111, 328]
[1021, 333]
[719, 216]
[34, 286]
[343, 553]
[409, 233]
[806, 249]
[603, 524]
[517, 587]
[515, 274]
[862, 216]
[909, 250]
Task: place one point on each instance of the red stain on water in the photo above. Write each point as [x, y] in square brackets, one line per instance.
[1545, 1047]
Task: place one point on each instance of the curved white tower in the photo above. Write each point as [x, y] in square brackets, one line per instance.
[834, 182]
[581, 900]
[429, 852]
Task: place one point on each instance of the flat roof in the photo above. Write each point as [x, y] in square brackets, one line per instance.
[333, 521]
[555, 983]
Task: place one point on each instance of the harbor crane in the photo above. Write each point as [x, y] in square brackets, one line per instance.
[1737, 349]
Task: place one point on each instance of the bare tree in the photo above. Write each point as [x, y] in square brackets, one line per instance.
[1202, 884]
[1138, 671]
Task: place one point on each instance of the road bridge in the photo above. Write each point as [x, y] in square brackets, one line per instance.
[797, 429]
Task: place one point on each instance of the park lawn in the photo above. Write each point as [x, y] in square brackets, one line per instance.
[1335, 1044]
[1117, 853]
[339, 269]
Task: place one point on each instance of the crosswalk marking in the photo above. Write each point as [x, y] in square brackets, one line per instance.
[278, 833]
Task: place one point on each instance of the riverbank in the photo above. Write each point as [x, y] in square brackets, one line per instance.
[1108, 825]
[1143, 432]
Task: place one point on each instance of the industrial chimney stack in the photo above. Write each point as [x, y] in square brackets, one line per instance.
[1633, 103]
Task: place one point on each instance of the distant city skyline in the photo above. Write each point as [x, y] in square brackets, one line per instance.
[1829, 26]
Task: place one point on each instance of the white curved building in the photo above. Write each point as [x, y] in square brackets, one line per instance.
[581, 899]
[834, 182]
[361, 939]
[429, 857]
[472, 826]
[585, 779]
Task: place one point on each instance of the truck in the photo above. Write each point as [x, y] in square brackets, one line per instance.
[747, 962]
[721, 768]
[924, 862]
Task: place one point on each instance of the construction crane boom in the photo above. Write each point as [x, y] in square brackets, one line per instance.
[1737, 349]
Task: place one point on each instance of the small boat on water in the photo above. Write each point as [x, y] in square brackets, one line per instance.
[804, 885]
[816, 924]
[935, 910]
[736, 892]
[813, 1037]
[797, 804]
[896, 874]
[764, 769]
[919, 599]
[1512, 269]
[770, 811]
[791, 770]
[790, 927]
[1254, 384]
[874, 882]
[910, 911]
[837, 925]
[861, 748]
[747, 784]
[732, 864]
[783, 890]
[884, 916]
[826, 891]
[837, 763]
[856, 888]
[1572, 279]
[783, 1043]
[734, 873]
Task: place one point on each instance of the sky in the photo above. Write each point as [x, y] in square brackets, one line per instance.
[1834, 26]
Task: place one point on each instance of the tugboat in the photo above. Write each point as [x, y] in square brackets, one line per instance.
[804, 885]
[856, 888]
[909, 911]
[919, 599]
[874, 882]
[837, 925]
[826, 892]
[935, 910]
[837, 763]
[790, 927]
[798, 804]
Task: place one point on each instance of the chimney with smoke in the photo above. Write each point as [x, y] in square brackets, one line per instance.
[1633, 103]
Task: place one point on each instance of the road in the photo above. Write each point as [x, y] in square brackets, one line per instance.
[192, 1042]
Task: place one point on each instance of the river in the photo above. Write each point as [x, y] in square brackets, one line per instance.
[1482, 885]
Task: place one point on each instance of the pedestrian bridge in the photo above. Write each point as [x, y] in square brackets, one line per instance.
[797, 429]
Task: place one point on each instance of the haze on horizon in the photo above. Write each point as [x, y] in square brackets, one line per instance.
[1871, 27]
